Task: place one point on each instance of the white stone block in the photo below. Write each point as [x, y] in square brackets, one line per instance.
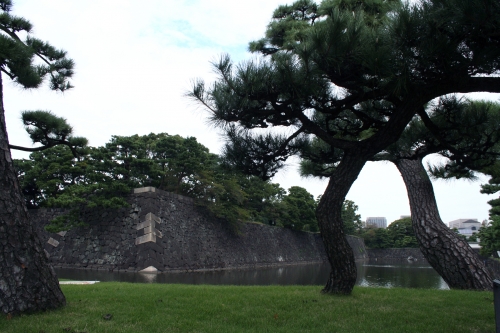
[145, 189]
[53, 242]
[152, 217]
[149, 230]
[146, 238]
[150, 269]
[145, 224]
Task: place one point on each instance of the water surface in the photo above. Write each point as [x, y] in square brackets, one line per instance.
[370, 273]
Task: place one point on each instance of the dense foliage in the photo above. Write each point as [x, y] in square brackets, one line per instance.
[489, 235]
[398, 234]
[352, 220]
[104, 176]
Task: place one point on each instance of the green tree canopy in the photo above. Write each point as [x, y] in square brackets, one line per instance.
[350, 218]
[104, 176]
[492, 187]
[300, 207]
[490, 237]
[377, 238]
[402, 234]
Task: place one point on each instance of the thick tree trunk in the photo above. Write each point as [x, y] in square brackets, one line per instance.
[340, 255]
[450, 256]
[27, 281]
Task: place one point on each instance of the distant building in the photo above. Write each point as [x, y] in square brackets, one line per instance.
[466, 227]
[404, 217]
[379, 222]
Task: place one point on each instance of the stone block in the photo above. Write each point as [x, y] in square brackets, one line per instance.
[152, 217]
[151, 262]
[151, 246]
[150, 269]
[145, 224]
[53, 242]
[146, 238]
[62, 233]
[144, 189]
[149, 230]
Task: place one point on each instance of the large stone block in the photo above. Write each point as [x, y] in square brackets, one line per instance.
[145, 224]
[150, 269]
[144, 189]
[146, 238]
[53, 242]
[152, 217]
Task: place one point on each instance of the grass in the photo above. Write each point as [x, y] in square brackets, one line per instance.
[190, 308]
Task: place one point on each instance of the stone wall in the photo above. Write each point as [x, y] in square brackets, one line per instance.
[402, 254]
[395, 254]
[168, 232]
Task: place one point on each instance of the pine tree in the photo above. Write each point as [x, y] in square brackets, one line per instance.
[469, 139]
[466, 134]
[333, 75]
[27, 281]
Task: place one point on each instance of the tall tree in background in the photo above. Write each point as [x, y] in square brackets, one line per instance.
[350, 218]
[489, 234]
[353, 83]
[299, 207]
[402, 233]
[492, 187]
[28, 283]
[469, 139]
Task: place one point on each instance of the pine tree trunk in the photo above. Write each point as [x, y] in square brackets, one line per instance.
[27, 282]
[340, 255]
[449, 255]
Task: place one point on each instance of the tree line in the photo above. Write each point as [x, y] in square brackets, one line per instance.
[104, 176]
[80, 176]
[398, 234]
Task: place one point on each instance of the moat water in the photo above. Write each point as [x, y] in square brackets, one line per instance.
[371, 273]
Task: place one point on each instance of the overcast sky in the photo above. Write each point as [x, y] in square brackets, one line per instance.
[136, 60]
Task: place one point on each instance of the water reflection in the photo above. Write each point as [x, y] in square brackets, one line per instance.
[370, 273]
[399, 274]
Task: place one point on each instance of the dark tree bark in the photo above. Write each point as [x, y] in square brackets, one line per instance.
[340, 255]
[449, 255]
[27, 282]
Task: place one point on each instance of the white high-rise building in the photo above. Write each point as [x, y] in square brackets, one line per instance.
[379, 222]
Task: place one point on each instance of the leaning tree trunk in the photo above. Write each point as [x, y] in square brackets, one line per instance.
[449, 255]
[27, 282]
[340, 255]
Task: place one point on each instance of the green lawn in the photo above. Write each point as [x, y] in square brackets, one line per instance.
[187, 308]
